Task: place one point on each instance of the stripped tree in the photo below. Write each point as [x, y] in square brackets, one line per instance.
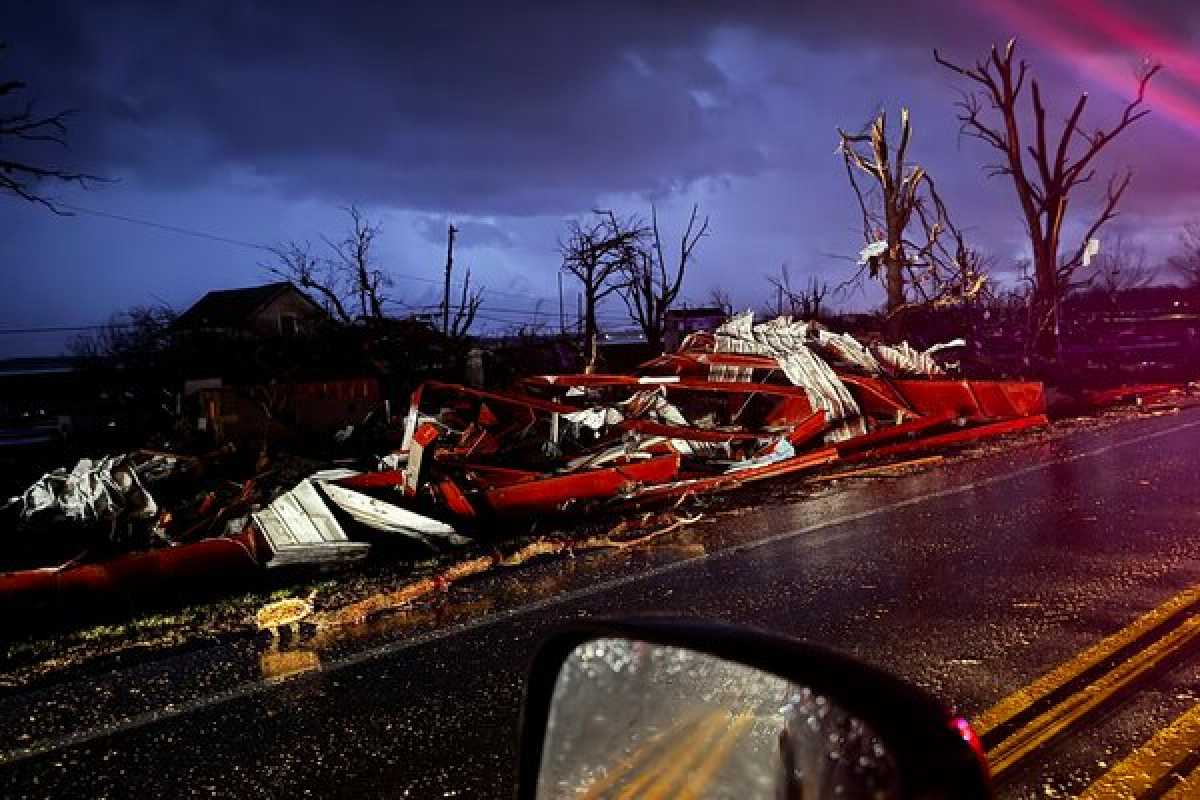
[1122, 266]
[804, 301]
[896, 190]
[911, 245]
[599, 253]
[1186, 262]
[295, 262]
[464, 314]
[349, 281]
[652, 283]
[719, 297]
[353, 257]
[1044, 173]
[21, 127]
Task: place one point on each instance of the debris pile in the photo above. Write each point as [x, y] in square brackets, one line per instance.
[746, 402]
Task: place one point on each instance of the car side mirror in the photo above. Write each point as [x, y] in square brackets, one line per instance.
[663, 708]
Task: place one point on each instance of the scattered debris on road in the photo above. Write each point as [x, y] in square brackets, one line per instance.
[746, 402]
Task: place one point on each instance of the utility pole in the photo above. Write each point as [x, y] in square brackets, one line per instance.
[562, 318]
[449, 267]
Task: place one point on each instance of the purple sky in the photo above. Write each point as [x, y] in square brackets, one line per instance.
[248, 123]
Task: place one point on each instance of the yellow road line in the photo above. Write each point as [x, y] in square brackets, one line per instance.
[641, 754]
[1186, 789]
[1098, 653]
[1149, 763]
[689, 752]
[1054, 721]
[698, 781]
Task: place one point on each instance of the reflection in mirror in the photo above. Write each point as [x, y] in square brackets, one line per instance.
[632, 719]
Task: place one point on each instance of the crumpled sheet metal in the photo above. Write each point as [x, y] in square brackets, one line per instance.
[298, 528]
[845, 348]
[893, 361]
[786, 341]
[96, 490]
[904, 361]
[219, 560]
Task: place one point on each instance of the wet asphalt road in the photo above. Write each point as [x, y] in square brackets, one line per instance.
[970, 580]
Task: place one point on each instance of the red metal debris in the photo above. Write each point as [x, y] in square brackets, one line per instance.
[561, 492]
[881, 436]
[226, 559]
[974, 400]
[697, 421]
[951, 439]
[807, 429]
[721, 418]
[1144, 393]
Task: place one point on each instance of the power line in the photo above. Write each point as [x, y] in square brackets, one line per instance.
[254, 245]
[499, 309]
[61, 329]
[162, 227]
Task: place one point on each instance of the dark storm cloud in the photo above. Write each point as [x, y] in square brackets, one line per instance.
[479, 108]
[257, 121]
[470, 233]
[483, 108]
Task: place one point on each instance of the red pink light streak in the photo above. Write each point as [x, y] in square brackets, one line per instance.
[1118, 31]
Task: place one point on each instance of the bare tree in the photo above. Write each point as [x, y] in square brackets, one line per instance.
[464, 315]
[1119, 267]
[468, 303]
[896, 186]
[19, 175]
[354, 254]
[1044, 173]
[913, 246]
[294, 261]
[132, 337]
[651, 283]
[1186, 263]
[598, 253]
[804, 302]
[349, 281]
[720, 298]
[945, 270]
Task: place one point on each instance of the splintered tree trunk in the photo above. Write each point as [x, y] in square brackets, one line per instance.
[1043, 321]
[894, 279]
[895, 286]
[590, 335]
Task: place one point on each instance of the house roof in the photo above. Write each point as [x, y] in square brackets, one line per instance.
[231, 308]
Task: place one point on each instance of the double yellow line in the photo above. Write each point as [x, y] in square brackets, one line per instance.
[677, 764]
[1034, 715]
[1149, 765]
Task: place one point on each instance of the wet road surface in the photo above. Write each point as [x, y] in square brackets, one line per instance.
[971, 580]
